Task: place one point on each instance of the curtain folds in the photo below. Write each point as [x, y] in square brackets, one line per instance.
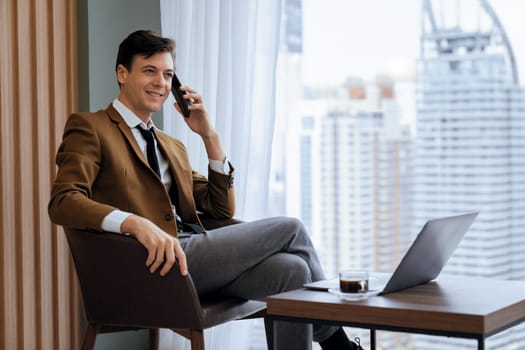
[227, 50]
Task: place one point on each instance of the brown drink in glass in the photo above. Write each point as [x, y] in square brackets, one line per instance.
[353, 281]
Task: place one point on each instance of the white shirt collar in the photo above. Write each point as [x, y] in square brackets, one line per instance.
[129, 117]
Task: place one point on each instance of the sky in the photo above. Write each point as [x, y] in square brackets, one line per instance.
[357, 38]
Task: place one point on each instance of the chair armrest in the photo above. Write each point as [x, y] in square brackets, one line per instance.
[119, 290]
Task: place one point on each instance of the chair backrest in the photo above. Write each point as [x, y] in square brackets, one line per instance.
[136, 297]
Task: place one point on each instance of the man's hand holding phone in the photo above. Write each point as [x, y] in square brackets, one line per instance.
[189, 100]
[179, 96]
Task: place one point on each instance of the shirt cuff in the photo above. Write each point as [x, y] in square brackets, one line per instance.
[218, 165]
[113, 221]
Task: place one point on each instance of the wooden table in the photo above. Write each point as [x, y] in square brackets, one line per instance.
[474, 308]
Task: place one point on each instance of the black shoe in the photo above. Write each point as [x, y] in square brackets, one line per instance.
[339, 341]
[357, 344]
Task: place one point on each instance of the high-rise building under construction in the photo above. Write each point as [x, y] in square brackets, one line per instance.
[470, 145]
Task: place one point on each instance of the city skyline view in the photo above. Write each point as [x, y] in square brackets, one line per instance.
[363, 183]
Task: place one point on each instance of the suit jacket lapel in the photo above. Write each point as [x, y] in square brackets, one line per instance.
[128, 134]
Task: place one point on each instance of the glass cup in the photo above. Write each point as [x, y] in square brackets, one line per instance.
[353, 281]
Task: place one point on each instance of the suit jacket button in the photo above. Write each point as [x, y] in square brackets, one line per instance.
[168, 217]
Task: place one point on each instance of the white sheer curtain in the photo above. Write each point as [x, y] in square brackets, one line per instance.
[227, 50]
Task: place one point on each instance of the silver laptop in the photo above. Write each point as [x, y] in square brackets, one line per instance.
[424, 260]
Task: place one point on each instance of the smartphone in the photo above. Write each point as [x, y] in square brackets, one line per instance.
[178, 93]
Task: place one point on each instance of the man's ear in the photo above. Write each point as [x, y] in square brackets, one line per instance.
[122, 74]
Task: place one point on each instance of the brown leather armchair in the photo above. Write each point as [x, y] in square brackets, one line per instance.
[121, 294]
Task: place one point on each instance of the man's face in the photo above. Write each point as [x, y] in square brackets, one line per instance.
[145, 87]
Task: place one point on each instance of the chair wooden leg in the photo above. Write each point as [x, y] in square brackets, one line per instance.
[197, 339]
[89, 338]
[154, 339]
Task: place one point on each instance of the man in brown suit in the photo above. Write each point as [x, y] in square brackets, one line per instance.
[118, 173]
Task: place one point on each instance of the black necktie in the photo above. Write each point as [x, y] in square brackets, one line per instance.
[153, 161]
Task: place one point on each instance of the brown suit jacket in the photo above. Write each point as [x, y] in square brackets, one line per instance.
[101, 168]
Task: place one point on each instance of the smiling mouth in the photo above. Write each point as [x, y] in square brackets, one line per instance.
[155, 94]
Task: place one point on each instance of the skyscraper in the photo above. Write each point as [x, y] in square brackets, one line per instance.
[470, 145]
[355, 173]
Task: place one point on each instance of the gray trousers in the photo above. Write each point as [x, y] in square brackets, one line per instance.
[254, 260]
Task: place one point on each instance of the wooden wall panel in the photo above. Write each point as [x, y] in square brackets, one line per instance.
[39, 296]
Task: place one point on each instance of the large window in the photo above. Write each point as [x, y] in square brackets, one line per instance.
[390, 113]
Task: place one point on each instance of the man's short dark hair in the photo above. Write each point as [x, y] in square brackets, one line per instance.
[142, 42]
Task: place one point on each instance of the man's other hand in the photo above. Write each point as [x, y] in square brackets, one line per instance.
[163, 249]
